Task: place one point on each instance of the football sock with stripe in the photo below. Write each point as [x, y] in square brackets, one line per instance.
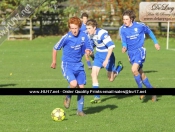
[96, 86]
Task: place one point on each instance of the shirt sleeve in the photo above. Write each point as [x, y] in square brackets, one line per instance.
[107, 40]
[60, 43]
[153, 37]
[87, 45]
[123, 38]
[150, 33]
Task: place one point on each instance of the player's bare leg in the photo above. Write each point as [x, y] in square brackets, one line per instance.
[94, 75]
[73, 84]
[111, 76]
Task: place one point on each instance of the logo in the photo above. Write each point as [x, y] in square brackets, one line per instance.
[136, 30]
[83, 38]
[157, 11]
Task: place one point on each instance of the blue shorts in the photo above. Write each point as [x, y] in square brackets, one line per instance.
[137, 56]
[74, 71]
[100, 58]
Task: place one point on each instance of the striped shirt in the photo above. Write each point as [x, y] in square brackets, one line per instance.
[102, 40]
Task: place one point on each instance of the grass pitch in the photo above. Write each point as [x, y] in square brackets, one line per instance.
[26, 64]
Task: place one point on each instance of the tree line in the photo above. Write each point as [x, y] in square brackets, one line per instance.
[107, 12]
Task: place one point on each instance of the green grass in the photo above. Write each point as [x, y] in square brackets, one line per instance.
[29, 62]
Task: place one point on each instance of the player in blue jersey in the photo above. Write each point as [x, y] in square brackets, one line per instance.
[84, 18]
[104, 56]
[75, 44]
[133, 36]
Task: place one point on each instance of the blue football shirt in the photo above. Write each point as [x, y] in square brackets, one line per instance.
[73, 46]
[133, 37]
[83, 27]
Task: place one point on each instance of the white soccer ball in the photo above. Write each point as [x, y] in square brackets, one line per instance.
[58, 114]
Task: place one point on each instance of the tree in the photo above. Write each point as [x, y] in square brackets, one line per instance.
[7, 7]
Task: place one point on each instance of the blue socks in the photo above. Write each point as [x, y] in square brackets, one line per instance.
[80, 101]
[69, 96]
[118, 69]
[138, 81]
[88, 63]
[147, 83]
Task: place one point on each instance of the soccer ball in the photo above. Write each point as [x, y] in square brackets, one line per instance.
[58, 114]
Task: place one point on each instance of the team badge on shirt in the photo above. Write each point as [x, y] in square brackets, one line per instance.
[136, 30]
[83, 38]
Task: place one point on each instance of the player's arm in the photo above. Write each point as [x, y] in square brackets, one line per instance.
[110, 44]
[152, 36]
[110, 50]
[88, 46]
[54, 58]
[157, 46]
[89, 52]
[123, 40]
[124, 49]
[57, 46]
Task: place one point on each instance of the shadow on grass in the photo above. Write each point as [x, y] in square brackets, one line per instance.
[97, 109]
[150, 71]
[116, 96]
[148, 98]
[6, 85]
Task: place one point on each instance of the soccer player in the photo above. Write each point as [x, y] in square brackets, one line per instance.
[133, 36]
[84, 18]
[75, 43]
[104, 56]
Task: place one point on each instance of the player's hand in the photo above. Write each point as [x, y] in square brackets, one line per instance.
[124, 49]
[157, 46]
[105, 63]
[88, 52]
[53, 65]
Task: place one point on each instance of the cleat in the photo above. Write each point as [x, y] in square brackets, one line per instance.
[120, 64]
[96, 100]
[142, 97]
[154, 98]
[67, 102]
[80, 113]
